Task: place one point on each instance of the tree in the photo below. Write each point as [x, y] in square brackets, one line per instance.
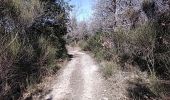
[82, 30]
[104, 19]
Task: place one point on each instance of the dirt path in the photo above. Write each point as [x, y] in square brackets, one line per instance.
[79, 80]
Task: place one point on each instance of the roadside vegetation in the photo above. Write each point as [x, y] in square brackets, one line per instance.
[135, 48]
[31, 35]
[132, 45]
[142, 47]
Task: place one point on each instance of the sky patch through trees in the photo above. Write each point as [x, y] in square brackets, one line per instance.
[82, 9]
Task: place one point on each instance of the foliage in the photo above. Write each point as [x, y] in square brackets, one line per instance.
[148, 7]
[104, 16]
[146, 46]
[101, 46]
[31, 41]
[109, 68]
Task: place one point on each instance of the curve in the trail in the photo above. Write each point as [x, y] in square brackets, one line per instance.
[79, 80]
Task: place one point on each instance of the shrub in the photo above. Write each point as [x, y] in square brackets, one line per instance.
[29, 44]
[101, 46]
[108, 68]
[148, 7]
[144, 47]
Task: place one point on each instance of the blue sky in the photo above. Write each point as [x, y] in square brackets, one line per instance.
[82, 9]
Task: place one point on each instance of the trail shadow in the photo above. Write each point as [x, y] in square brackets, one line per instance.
[40, 94]
[139, 91]
[70, 55]
[45, 94]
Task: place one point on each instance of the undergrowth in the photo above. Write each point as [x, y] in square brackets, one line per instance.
[30, 46]
[138, 47]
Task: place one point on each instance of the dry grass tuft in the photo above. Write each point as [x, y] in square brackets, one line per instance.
[109, 68]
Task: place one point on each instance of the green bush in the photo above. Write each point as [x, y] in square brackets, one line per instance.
[98, 46]
[149, 8]
[29, 44]
[108, 68]
[146, 46]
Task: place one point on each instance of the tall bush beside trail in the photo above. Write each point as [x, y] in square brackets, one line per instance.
[147, 46]
[101, 45]
[31, 35]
